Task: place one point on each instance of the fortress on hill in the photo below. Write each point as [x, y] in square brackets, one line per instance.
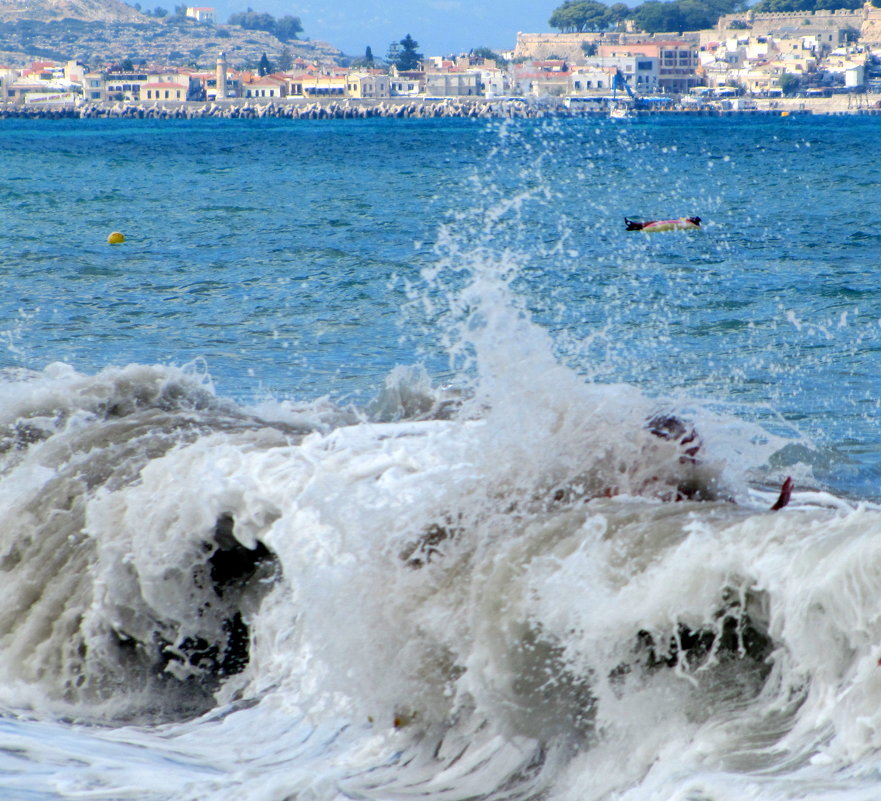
[865, 22]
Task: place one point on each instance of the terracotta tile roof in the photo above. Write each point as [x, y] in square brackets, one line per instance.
[265, 79]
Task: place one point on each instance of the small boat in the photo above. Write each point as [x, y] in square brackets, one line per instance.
[621, 113]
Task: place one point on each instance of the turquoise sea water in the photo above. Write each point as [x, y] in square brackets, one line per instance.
[396, 373]
[280, 253]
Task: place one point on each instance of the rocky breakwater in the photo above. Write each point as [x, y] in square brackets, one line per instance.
[417, 108]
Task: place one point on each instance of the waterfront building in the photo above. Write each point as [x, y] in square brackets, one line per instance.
[452, 83]
[368, 83]
[590, 80]
[164, 90]
[7, 76]
[677, 61]
[74, 71]
[93, 86]
[324, 85]
[494, 82]
[642, 73]
[19, 88]
[295, 83]
[172, 86]
[406, 84]
[266, 86]
[123, 84]
[545, 78]
[847, 70]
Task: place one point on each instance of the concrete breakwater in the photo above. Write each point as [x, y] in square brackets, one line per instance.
[417, 108]
[342, 109]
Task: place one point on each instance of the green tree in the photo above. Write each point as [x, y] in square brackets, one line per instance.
[783, 5]
[285, 60]
[655, 16]
[488, 53]
[789, 83]
[618, 12]
[287, 28]
[253, 21]
[264, 67]
[408, 57]
[696, 15]
[577, 16]
[367, 61]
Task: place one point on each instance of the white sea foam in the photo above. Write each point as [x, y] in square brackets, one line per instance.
[457, 590]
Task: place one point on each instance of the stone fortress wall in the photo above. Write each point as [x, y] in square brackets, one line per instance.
[865, 20]
[542, 46]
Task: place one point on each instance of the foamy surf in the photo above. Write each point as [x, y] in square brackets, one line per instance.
[455, 601]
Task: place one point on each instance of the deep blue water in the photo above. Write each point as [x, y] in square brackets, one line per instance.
[288, 256]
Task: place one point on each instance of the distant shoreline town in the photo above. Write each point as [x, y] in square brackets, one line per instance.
[789, 62]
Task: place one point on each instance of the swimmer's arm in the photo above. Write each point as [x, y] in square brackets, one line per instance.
[785, 495]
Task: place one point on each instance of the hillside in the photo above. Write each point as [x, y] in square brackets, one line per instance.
[85, 10]
[99, 32]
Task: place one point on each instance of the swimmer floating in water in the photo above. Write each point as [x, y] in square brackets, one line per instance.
[679, 224]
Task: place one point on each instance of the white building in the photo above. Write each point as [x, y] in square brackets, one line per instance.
[494, 82]
[642, 73]
[94, 86]
[855, 76]
[268, 86]
[74, 72]
[201, 14]
[405, 84]
[598, 75]
[590, 79]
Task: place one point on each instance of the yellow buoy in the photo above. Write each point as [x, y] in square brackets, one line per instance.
[115, 238]
[784, 113]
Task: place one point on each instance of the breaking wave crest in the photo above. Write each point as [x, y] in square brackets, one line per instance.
[488, 600]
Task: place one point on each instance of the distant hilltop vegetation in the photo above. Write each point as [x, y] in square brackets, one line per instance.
[108, 31]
